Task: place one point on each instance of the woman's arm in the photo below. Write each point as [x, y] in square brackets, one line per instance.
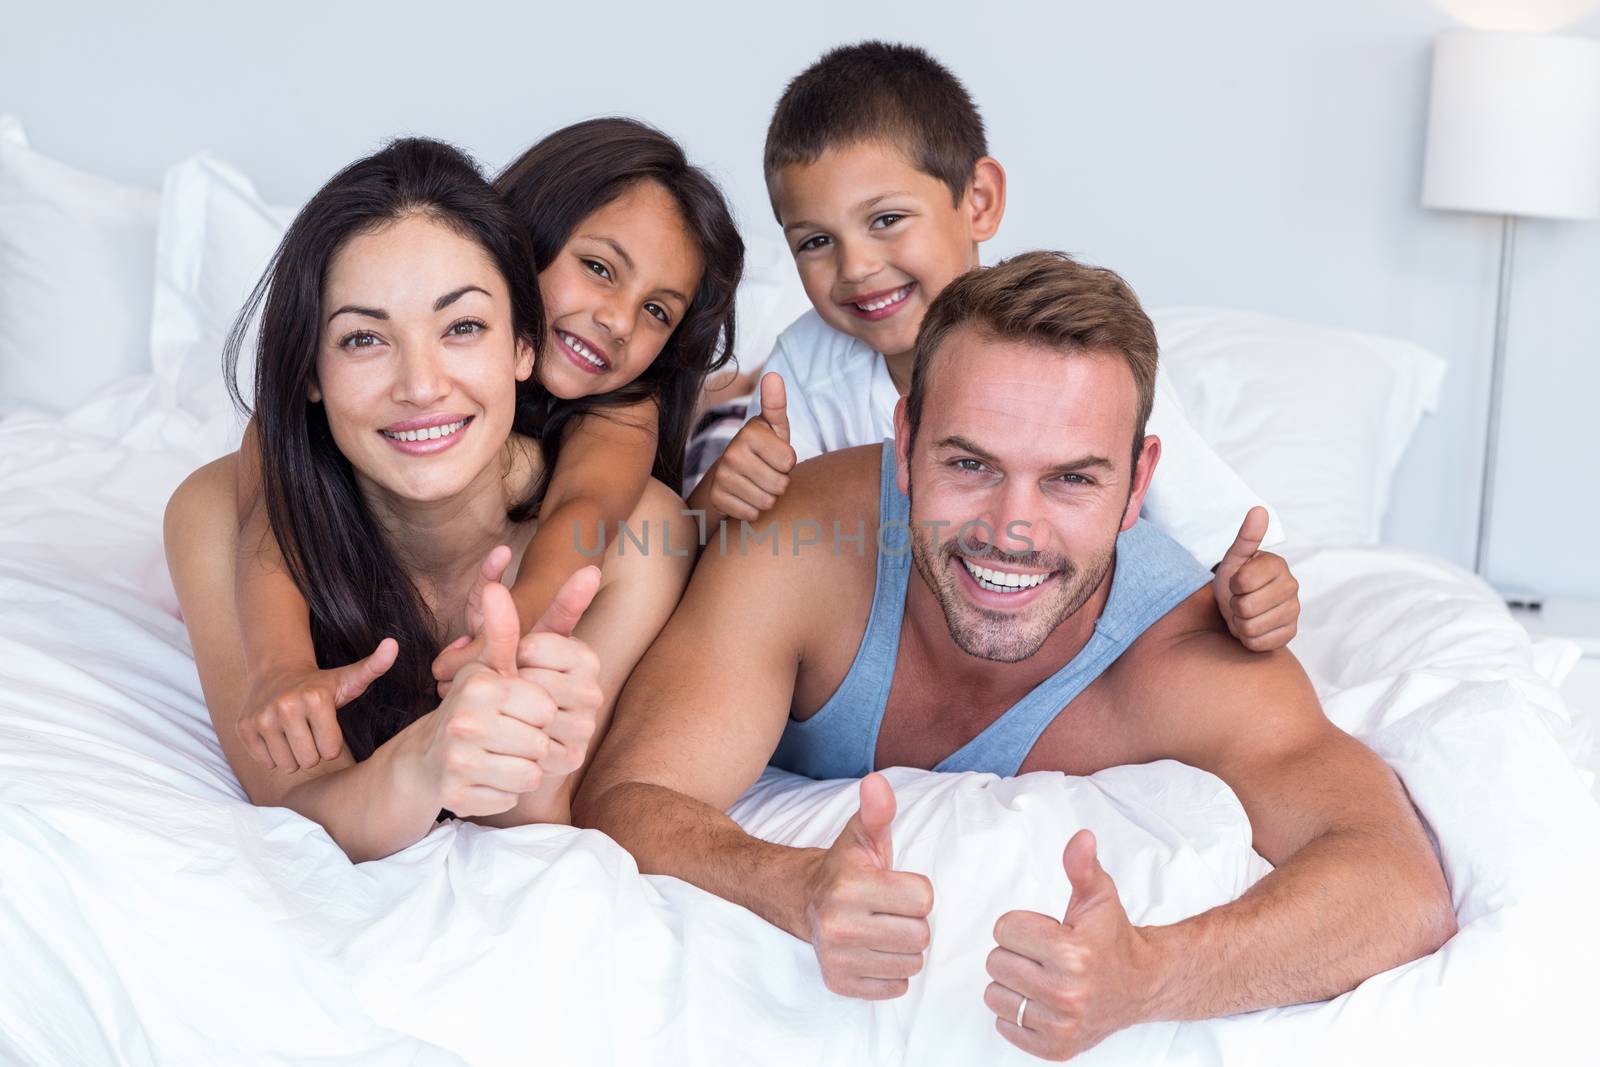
[367, 808]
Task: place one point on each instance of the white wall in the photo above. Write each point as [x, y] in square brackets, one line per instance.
[1262, 154]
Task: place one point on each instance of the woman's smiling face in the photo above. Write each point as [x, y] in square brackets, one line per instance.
[418, 362]
[616, 291]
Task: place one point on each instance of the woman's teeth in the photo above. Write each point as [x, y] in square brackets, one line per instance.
[583, 350]
[431, 433]
[893, 298]
[1002, 581]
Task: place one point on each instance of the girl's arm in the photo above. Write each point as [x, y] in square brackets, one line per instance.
[604, 466]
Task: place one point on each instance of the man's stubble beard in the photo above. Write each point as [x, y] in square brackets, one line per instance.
[994, 636]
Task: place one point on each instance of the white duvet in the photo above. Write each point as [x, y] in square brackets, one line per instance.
[149, 915]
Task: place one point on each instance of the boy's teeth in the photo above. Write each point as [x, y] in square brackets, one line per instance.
[431, 433]
[1002, 581]
[894, 297]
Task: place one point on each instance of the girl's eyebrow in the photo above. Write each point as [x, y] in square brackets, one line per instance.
[622, 254]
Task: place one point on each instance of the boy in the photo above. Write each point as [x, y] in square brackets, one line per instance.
[879, 174]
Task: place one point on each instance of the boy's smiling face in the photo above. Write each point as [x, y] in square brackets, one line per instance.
[875, 239]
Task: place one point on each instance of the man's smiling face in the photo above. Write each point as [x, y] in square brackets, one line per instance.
[1021, 477]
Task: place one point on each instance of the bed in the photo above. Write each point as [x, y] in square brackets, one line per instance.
[151, 915]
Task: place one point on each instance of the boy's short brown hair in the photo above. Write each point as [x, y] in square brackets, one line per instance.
[874, 90]
[1044, 298]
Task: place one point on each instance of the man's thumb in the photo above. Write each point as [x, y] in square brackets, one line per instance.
[1251, 533]
[1089, 880]
[501, 630]
[876, 815]
[775, 404]
[572, 600]
[352, 680]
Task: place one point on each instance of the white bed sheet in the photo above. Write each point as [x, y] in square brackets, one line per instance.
[150, 915]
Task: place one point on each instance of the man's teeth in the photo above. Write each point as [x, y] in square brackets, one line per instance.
[893, 298]
[431, 433]
[1002, 581]
[582, 349]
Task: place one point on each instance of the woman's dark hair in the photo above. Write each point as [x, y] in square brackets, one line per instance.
[565, 178]
[332, 546]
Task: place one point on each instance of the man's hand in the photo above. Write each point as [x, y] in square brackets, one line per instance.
[868, 922]
[1259, 598]
[753, 472]
[1085, 977]
[291, 719]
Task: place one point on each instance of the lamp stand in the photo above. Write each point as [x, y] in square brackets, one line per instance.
[1502, 316]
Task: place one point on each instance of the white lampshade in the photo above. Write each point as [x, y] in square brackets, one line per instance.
[1514, 125]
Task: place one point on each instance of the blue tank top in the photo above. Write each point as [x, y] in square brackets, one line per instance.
[1152, 575]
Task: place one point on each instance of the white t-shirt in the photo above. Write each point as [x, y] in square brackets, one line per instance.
[840, 395]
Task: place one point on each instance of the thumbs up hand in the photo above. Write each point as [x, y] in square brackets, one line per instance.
[465, 649]
[291, 721]
[1084, 977]
[564, 667]
[753, 472]
[1258, 597]
[867, 921]
[481, 748]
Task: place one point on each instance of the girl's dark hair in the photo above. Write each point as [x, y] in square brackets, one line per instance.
[565, 178]
[332, 546]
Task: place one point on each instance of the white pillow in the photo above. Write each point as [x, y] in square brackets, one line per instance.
[1314, 417]
[770, 298]
[76, 260]
[216, 238]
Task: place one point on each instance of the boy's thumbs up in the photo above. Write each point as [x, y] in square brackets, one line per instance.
[775, 405]
[1251, 533]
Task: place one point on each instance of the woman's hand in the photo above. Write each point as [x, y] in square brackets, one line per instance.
[566, 668]
[469, 646]
[481, 749]
[291, 717]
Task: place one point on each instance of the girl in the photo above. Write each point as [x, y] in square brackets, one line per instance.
[379, 548]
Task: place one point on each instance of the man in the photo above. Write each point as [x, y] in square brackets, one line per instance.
[1046, 628]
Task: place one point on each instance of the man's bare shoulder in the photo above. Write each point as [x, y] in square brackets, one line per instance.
[1188, 681]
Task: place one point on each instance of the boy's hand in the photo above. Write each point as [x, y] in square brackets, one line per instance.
[1259, 598]
[466, 648]
[753, 472]
[291, 718]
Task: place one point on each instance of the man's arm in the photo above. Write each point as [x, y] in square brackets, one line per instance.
[693, 730]
[1357, 888]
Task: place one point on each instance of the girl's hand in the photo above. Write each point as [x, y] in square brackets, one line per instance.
[291, 718]
[1259, 598]
[481, 749]
[753, 472]
[566, 668]
[468, 647]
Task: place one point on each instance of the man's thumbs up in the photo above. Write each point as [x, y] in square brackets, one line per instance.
[874, 818]
[775, 405]
[1091, 885]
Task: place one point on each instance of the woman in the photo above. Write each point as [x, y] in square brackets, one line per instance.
[403, 297]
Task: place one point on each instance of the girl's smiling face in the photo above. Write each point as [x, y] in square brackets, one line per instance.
[616, 291]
